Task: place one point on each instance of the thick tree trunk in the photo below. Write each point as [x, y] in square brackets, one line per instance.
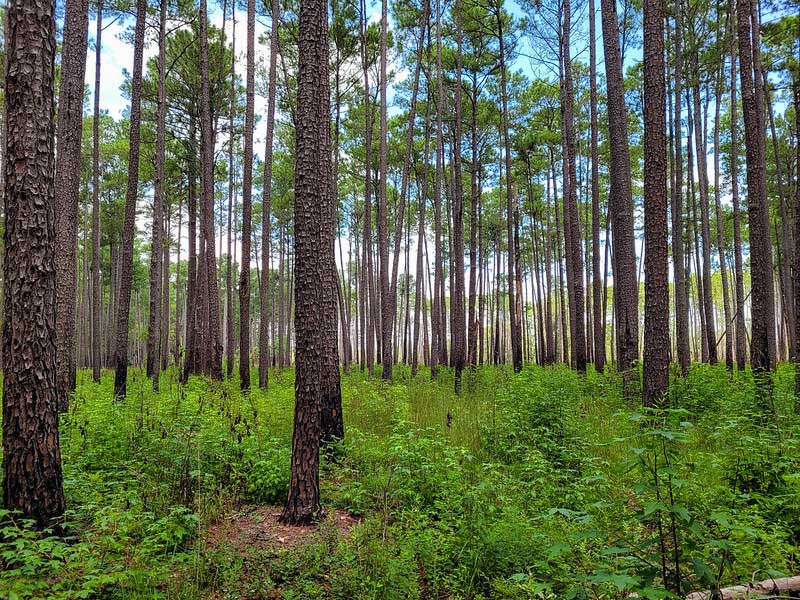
[762, 293]
[620, 205]
[314, 248]
[67, 188]
[573, 251]
[32, 478]
[212, 349]
[656, 299]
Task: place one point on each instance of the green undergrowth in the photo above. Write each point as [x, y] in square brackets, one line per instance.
[542, 485]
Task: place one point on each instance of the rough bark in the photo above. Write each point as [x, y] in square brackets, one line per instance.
[212, 349]
[656, 295]
[575, 258]
[247, 202]
[681, 298]
[620, 200]
[597, 283]
[67, 188]
[154, 329]
[387, 302]
[129, 222]
[97, 278]
[314, 252]
[457, 296]
[32, 478]
[762, 293]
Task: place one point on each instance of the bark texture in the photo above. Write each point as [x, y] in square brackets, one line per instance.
[129, 220]
[314, 253]
[32, 478]
[67, 188]
[656, 268]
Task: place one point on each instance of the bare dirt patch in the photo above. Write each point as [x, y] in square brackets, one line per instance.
[258, 528]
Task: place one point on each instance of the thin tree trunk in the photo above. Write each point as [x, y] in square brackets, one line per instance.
[741, 342]
[247, 203]
[156, 245]
[597, 284]
[129, 223]
[516, 349]
[264, 338]
[97, 278]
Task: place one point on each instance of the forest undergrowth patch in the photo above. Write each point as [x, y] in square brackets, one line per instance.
[540, 485]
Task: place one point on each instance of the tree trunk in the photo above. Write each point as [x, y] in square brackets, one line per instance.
[191, 283]
[263, 338]
[573, 252]
[620, 205]
[516, 341]
[97, 278]
[32, 478]
[702, 176]
[457, 296]
[154, 328]
[247, 203]
[720, 226]
[656, 299]
[387, 302]
[314, 253]
[129, 223]
[367, 290]
[681, 298]
[228, 317]
[437, 317]
[796, 299]
[762, 292]
[419, 292]
[597, 283]
[67, 189]
[213, 348]
[165, 298]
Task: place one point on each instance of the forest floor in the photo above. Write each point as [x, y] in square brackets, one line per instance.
[542, 485]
